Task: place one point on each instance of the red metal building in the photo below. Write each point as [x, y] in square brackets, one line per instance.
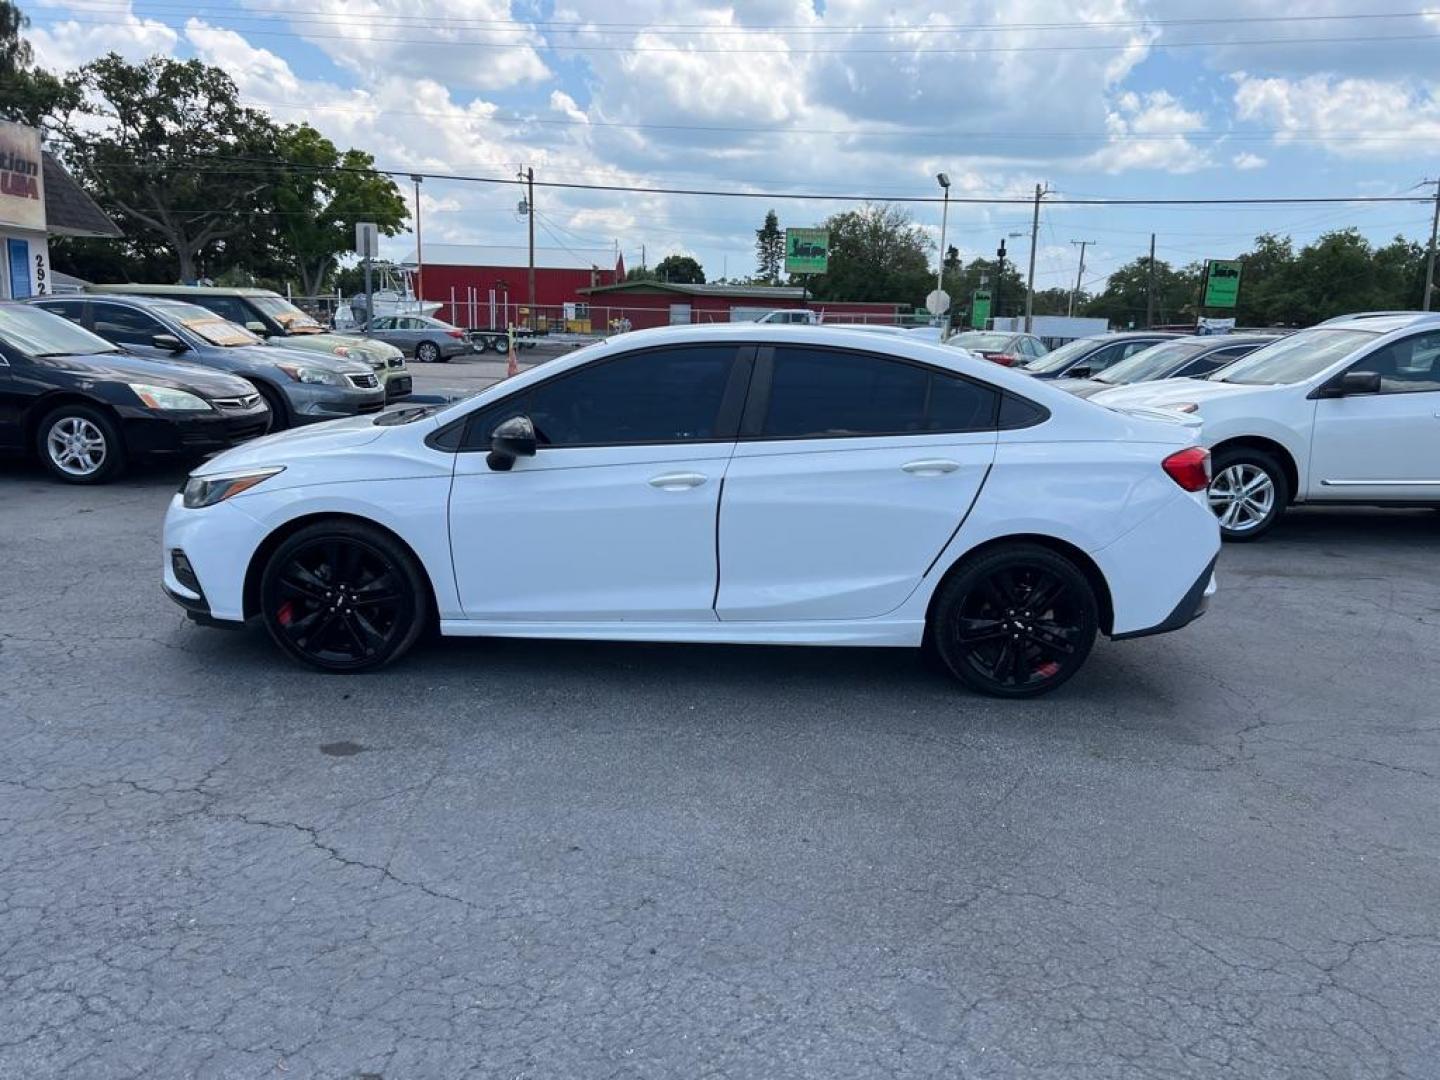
[656, 303]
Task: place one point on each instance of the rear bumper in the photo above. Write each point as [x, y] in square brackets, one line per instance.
[1192, 605]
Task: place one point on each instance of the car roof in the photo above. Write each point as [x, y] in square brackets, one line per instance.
[1381, 321]
[148, 303]
[179, 290]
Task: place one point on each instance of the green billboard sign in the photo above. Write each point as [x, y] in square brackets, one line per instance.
[980, 309]
[807, 251]
[1222, 283]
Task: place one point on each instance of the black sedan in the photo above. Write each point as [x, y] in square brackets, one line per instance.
[85, 408]
[1182, 358]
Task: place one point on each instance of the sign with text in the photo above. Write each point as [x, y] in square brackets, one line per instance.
[1222, 283]
[980, 309]
[807, 251]
[22, 180]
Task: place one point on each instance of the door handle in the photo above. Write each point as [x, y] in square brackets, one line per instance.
[677, 481]
[930, 467]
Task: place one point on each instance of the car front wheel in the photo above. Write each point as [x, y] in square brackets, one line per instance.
[1014, 622]
[80, 445]
[1248, 492]
[343, 596]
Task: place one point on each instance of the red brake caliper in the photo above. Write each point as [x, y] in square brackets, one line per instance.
[286, 614]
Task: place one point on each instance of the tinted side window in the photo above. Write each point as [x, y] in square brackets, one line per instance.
[124, 326]
[816, 393]
[1408, 366]
[227, 307]
[659, 396]
[1110, 355]
[1214, 361]
[67, 309]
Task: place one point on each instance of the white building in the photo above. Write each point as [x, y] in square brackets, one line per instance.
[38, 200]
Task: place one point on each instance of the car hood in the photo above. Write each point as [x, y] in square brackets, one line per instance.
[270, 355]
[1167, 393]
[284, 447]
[175, 374]
[373, 352]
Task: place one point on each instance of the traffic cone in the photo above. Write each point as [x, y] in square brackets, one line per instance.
[512, 366]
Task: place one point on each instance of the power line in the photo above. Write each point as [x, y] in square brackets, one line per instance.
[787, 51]
[709, 29]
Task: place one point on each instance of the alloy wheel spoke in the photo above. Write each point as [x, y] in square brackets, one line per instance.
[1044, 595]
[977, 630]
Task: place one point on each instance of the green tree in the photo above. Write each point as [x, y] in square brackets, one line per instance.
[169, 150]
[319, 194]
[680, 270]
[1124, 299]
[876, 253]
[641, 273]
[28, 95]
[769, 250]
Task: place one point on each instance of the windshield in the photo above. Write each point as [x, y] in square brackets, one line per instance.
[981, 342]
[1295, 358]
[210, 327]
[39, 333]
[1064, 356]
[290, 317]
[1153, 362]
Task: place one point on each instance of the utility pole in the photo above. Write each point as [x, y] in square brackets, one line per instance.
[1150, 286]
[419, 247]
[1079, 274]
[1040, 191]
[1430, 254]
[529, 207]
[999, 280]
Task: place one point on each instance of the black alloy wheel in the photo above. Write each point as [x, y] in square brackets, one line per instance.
[427, 352]
[343, 596]
[1015, 622]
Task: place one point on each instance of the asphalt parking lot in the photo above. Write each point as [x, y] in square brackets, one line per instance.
[1212, 854]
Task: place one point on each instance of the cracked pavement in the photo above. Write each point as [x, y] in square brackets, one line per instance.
[1213, 854]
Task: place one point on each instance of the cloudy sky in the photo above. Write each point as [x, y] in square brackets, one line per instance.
[1171, 98]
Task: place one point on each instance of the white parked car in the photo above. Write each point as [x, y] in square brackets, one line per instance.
[732, 483]
[1345, 412]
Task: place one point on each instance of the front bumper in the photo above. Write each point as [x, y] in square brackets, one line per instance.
[157, 433]
[315, 405]
[397, 386]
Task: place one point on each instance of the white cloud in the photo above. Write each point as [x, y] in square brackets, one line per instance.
[1349, 117]
[1245, 161]
[1148, 131]
[67, 44]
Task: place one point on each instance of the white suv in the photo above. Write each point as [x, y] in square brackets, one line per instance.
[1346, 412]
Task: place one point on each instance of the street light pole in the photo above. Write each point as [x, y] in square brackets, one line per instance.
[1430, 254]
[1079, 274]
[530, 203]
[1040, 191]
[419, 245]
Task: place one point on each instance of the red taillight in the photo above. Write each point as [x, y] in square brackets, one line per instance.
[456, 333]
[1190, 468]
[1003, 359]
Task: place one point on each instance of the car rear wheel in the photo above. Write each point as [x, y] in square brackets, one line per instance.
[343, 596]
[1014, 622]
[80, 445]
[1248, 493]
[427, 352]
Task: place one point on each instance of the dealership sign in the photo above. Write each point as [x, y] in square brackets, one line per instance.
[22, 181]
[1222, 283]
[807, 251]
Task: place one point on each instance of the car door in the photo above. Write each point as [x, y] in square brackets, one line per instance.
[614, 516]
[129, 327]
[852, 473]
[1383, 446]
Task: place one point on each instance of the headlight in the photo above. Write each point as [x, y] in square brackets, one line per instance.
[208, 490]
[303, 374]
[165, 397]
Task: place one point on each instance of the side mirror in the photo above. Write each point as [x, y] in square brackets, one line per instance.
[255, 326]
[169, 341]
[1355, 382]
[1080, 371]
[514, 438]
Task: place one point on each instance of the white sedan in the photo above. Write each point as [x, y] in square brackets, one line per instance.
[739, 484]
[1347, 412]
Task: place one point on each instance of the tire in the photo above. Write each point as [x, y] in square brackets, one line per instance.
[344, 596]
[1014, 622]
[80, 445]
[279, 412]
[1249, 493]
[427, 352]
